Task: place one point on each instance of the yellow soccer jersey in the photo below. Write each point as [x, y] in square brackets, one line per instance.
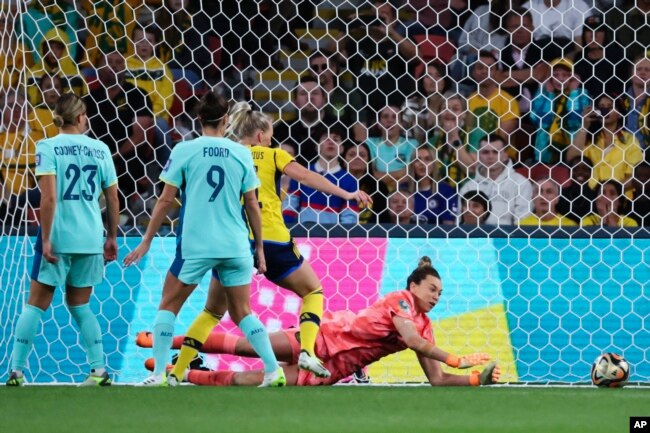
[269, 164]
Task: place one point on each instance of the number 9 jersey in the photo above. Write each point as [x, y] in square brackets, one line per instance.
[83, 168]
[212, 173]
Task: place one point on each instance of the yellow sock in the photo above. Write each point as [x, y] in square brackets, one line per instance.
[310, 314]
[196, 335]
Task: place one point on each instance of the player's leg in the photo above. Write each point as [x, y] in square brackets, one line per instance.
[215, 307]
[85, 272]
[285, 345]
[243, 378]
[305, 283]
[45, 277]
[182, 278]
[235, 276]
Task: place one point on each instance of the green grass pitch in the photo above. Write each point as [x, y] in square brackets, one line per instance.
[329, 409]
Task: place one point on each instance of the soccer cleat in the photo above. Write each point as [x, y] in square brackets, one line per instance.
[172, 380]
[154, 380]
[102, 380]
[15, 380]
[312, 364]
[144, 339]
[274, 380]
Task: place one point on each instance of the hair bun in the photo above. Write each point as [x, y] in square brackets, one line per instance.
[424, 262]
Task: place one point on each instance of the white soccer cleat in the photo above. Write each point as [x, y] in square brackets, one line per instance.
[172, 380]
[154, 380]
[313, 365]
[274, 380]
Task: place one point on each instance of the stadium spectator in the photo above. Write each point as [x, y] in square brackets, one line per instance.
[545, 201]
[184, 46]
[610, 207]
[357, 162]
[556, 112]
[637, 102]
[419, 111]
[312, 119]
[577, 198]
[43, 16]
[490, 109]
[15, 58]
[521, 69]
[474, 209]
[482, 31]
[599, 62]
[42, 121]
[147, 71]
[390, 151]
[509, 192]
[449, 138]
[401, 208]
[558, 25]
[219, 244]
[70, 250]
[640, 203]
[351, 341]
[378, 55]
[109, 24]
[434, 201]
[120, 114]
[56, 59]
[304, 203]
[614, 150]
[340, 99]
[18, 144]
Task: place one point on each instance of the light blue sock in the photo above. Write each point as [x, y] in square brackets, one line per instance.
[258, 338]
[26, 328]
[91, 334]
[163, 336]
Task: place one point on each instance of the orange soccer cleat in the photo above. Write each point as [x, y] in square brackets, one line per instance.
[149, 364]
[144, 339]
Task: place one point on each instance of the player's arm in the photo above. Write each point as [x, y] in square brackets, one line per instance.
[433, 370]
[160, 211]
[314, 180]
[252, 209]
[112, 218]
[425, 348]
[47, 185]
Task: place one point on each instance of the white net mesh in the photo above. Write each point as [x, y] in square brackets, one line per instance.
[506, 140]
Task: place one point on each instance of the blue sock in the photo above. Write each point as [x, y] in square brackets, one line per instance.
[26, 328]
[163, 336]
[91, 334]
[258, 338]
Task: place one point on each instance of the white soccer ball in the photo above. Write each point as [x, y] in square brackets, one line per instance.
[610, 370]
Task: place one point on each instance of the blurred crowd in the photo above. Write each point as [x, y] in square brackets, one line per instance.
[447, 112]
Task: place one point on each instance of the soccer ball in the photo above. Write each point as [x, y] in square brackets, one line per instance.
[610, 370]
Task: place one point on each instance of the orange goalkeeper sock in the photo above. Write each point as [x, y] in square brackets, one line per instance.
[211, 378]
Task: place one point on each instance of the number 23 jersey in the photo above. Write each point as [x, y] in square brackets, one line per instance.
[83, 168]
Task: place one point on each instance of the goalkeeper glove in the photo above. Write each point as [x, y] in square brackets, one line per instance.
[467, 361]
[490, 374]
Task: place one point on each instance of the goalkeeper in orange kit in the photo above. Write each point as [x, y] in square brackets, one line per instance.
[348, 342]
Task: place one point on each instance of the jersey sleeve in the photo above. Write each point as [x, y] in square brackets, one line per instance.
[45, 161]
[110, 176]
[173, 170]
[400, 305]
[251, 180]
[282, 159]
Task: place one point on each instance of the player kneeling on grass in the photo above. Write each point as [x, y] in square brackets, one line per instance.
[348, 342]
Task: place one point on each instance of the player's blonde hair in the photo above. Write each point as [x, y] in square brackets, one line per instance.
[244, 121]
[68, 108]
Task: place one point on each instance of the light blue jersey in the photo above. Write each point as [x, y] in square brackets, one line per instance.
[83, 168]
[212, 174]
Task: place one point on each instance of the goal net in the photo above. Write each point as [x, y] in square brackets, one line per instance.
[505, 140]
